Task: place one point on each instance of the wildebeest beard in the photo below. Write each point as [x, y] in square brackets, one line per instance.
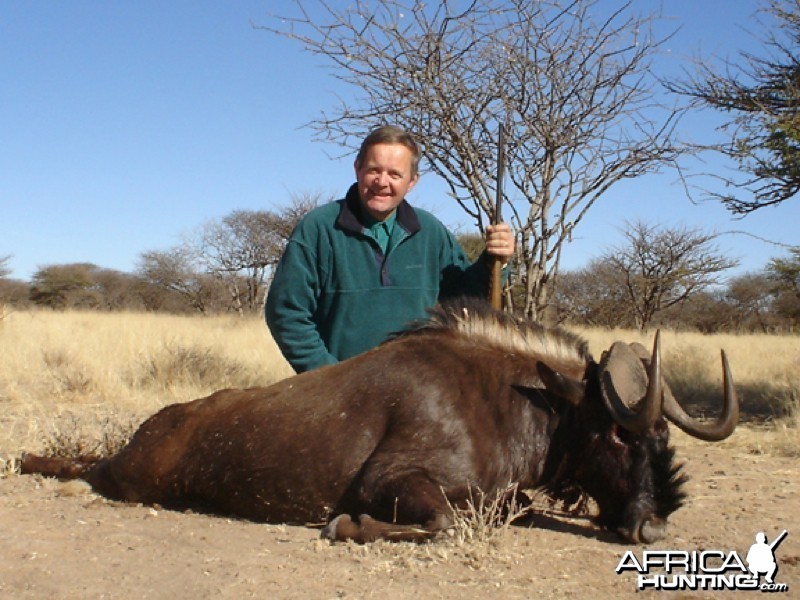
[621, 472]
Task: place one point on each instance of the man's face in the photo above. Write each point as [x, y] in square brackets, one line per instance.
[384, 178]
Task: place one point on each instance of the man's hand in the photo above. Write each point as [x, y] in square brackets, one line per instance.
[500, 241]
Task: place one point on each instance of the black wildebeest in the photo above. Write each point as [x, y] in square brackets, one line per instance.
[388, 441]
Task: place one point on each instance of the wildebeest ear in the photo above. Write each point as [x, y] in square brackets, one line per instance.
[564, 387]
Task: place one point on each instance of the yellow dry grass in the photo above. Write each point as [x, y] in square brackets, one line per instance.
[766, 368]
[84, 371]
[66, 376]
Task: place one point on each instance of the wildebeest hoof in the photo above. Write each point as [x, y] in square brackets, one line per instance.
[331, 531]
[652, 530]
[647, 532]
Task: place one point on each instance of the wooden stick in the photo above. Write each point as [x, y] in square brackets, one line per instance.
[496, 281]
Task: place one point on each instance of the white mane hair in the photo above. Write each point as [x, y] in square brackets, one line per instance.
[475, 319]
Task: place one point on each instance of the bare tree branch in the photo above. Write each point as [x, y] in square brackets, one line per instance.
[761, 96]
[575, 92]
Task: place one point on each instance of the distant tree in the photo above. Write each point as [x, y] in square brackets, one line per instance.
[750, 298]
[785, 272]
[744, 304]
[787, 307]
[65, 286]
[84, 285]
[14, 292]
[472, 243]
[705, 311]
[239, 249]
[662, 267]
[785, 275]
[570, 81]
[762, 96]
[118, 290]
[175, 271]
[286, 218]
[594, 296]
[242, 248]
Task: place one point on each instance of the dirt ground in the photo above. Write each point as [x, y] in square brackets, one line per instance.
[58, 540]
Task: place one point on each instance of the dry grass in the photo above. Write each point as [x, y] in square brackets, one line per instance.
[8, 466]
[77, 437]
[75, 381]
[484, 516]
[81, 381]
[766, 369]
[478, 539]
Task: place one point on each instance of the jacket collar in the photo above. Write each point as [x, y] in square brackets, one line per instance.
[351, 216]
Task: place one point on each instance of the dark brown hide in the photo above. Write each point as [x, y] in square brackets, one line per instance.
[396, 433]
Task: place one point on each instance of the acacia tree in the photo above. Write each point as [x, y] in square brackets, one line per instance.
[242, 248]
[574, 92]
[65, 286]
[239, 249]
[175, 271]
[762, 96]
[662, 267]
[594, 296]
[786, 271]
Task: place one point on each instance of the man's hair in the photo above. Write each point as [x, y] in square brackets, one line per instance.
[390, 134]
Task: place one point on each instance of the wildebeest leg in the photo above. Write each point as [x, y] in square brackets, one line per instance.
[366, 529]
[53, 466]
[413, 498]
[92, 469]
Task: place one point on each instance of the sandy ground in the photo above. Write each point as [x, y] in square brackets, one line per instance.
[59, 540]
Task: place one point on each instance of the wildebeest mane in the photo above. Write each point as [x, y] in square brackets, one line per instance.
[475, 319]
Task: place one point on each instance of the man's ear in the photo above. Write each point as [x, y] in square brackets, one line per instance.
[356, 166]
[414, 181]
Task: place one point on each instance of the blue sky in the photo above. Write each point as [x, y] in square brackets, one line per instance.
[126, 126]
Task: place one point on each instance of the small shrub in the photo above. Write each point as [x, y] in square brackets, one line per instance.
[177, 365]
[484, 516]
[69, 439]
[70, 375]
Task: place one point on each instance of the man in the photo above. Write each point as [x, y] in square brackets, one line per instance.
[359, 269]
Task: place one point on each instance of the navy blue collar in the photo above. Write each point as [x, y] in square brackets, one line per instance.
[351, 216]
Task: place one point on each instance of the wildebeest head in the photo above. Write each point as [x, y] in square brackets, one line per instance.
[606, 421]
[619, 451]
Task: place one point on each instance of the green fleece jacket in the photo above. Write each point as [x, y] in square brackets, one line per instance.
[335, 294]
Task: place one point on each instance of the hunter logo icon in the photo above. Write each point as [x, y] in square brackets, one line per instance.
[761, 556]
[709, 569]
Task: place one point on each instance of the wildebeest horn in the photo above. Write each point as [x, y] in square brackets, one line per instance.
[625, 383]
[709, 432]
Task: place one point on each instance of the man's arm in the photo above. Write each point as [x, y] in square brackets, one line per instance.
[290, 307]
